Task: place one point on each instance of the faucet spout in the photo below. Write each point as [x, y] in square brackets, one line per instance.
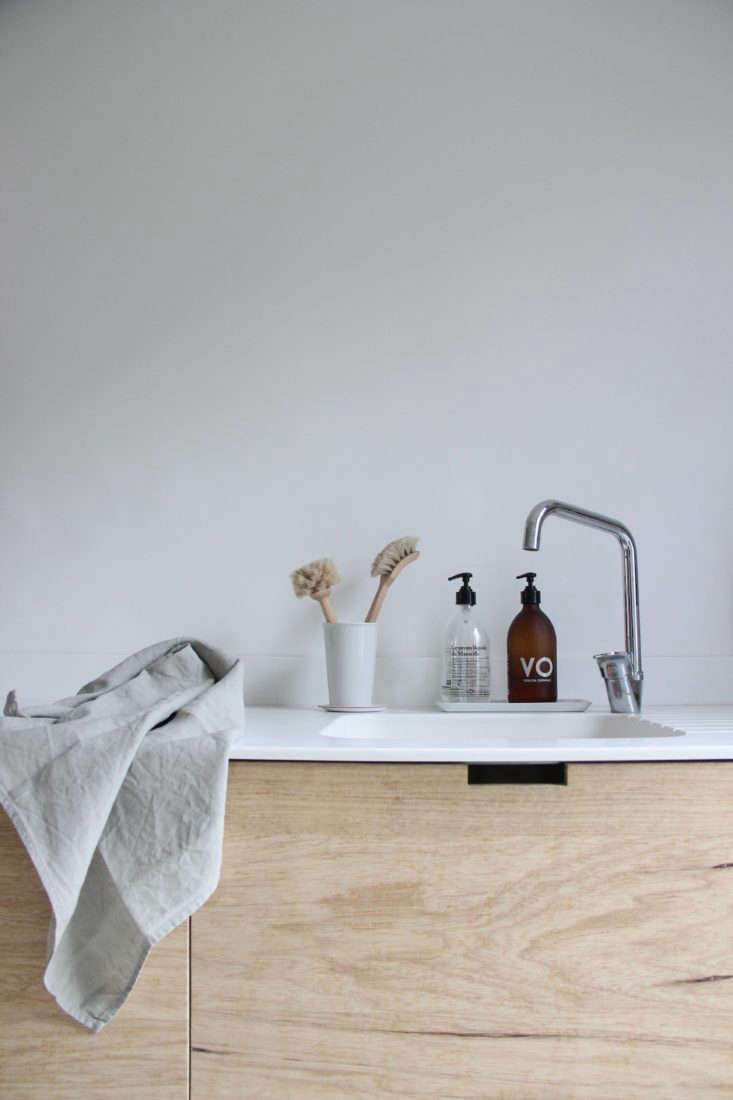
[532, 536]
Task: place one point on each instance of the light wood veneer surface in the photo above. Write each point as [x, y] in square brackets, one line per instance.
[388, 931]
[142, 1054]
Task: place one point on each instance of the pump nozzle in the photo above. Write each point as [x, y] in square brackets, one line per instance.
[465, 593]
[530, 594]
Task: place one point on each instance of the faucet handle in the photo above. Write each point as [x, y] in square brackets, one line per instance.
[623, 697]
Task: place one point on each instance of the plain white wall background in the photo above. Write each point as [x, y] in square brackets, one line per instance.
[286, 279]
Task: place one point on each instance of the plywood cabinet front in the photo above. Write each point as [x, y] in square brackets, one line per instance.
[390, 931]
[45, 1055]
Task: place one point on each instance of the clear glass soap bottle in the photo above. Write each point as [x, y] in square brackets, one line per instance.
[466, 667]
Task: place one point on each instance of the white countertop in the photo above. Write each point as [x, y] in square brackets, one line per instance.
[423, 735]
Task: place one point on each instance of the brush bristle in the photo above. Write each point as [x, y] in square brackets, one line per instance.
[315, 579]
[392, 554]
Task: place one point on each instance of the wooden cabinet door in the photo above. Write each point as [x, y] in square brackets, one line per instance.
[389, 931]
[142, 1054]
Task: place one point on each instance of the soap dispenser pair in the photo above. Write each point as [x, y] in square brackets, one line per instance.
[531, 651]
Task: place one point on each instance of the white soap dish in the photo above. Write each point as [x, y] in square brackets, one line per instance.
[502, 706]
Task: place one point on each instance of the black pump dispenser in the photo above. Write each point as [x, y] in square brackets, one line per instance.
[465, 594]
[530, 594]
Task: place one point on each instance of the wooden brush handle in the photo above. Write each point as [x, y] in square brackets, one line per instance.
[376, 604]
[384, 584]
[328, 612]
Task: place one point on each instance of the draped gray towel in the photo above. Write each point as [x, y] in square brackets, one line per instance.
[118, 794]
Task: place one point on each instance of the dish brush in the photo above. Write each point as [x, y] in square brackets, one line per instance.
[316, 579]
[388, 565]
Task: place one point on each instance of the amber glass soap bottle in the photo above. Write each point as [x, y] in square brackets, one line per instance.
[531, 651]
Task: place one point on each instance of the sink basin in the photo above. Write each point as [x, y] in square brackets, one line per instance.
[476, 729]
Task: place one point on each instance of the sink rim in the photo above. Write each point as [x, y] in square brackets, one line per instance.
[473, 728]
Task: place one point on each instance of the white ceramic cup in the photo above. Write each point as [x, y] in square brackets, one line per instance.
[351, 651]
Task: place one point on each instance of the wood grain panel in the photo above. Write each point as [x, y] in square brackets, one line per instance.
[142, 1052]
[389, 931]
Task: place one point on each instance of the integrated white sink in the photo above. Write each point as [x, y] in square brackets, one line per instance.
[475, 729]
[693, 732]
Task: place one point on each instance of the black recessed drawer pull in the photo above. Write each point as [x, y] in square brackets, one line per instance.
[518, 773]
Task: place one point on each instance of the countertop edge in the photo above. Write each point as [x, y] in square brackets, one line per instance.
[296, 734]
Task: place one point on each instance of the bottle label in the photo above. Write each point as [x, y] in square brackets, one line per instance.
[467, 671]
[536, 669]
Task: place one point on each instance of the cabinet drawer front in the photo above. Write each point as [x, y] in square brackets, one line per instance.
[142, 1053]
[392, 931]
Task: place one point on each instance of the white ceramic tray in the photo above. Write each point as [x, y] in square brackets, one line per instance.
[502, 706]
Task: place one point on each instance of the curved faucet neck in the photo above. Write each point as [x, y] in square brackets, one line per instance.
[540, 512]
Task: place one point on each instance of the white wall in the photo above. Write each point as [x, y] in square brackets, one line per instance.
[289, 279]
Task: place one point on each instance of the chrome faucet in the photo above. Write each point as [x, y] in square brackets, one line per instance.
[620, 670]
